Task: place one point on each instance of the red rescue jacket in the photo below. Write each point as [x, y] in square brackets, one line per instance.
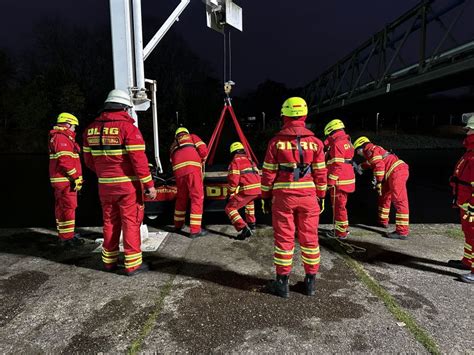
[188, 153]
[280, 168]
[243, 174]
[340, 152]
[462, 180]
[64, 160]
[382, 162]
[115, 150]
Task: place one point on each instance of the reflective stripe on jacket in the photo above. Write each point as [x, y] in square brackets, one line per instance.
[244, 175]
[462, 180]
[115, 150]
[339, 157]
[283, 150]
[382, 162]
[188, 152]
[64, 159]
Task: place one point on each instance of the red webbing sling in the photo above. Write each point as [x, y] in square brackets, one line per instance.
[216, 135]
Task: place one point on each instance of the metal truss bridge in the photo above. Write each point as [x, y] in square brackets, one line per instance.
[425, 50]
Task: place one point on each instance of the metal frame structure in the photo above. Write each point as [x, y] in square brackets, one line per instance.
[378, 66]
[129, 54]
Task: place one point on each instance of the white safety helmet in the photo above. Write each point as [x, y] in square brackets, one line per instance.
[119, 97]
[468, 119]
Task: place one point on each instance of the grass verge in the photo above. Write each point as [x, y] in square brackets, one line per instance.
[455, 233]
[151, 320]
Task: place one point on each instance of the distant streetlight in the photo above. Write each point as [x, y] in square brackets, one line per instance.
[263, 120]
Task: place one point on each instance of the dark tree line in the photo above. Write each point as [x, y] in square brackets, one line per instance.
[70, 69]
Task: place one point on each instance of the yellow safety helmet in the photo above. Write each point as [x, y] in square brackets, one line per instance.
[359, 142]
[294, 107]
[181, 130]
[236, 146]
[332, 126]
[65, 117]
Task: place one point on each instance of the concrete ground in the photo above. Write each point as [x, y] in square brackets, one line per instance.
[207, 295]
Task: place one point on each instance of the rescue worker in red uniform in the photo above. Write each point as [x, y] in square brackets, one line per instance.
[462, 183]
[65, 174]
[188, 154]
[294, 180]
[244, 187]
[115, 150]
[390, 176]
[341, 179]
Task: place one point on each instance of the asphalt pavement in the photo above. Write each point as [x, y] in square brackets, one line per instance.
[208, 295]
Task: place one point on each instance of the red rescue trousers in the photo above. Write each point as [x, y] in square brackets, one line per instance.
[395, 190]
[339, 202]
[191, 186]
[236, 202]
[468, 229]
[65, 211]
[122, 213]
[295, 214]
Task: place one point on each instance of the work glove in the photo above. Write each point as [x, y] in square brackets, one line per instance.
[78, 184]
[469, 215]
[378, 188]
[267, 206]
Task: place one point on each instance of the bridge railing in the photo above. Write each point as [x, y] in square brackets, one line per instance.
[414, 43]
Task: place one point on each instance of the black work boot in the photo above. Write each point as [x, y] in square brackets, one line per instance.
[202, 233]
[395, 235]
[458, 264]
[310, 284]
[142, 268]
[109, 268]
[244, 234]
[252, 226]
[71, 243]
[279, 287]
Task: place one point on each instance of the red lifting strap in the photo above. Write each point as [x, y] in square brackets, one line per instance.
[216, 135]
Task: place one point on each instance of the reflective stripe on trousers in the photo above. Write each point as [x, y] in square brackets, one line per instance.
[296, 214]
[468, 229]
[122, 212]
[190, 187]
[339, 199]
[65, 211]
[235, 203]
[394, 190]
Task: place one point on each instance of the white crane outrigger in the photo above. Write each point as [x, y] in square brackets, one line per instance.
[129, 54]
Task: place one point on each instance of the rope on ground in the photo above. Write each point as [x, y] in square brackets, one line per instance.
[349, 248]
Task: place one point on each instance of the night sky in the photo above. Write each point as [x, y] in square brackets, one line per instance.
[286, 41]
